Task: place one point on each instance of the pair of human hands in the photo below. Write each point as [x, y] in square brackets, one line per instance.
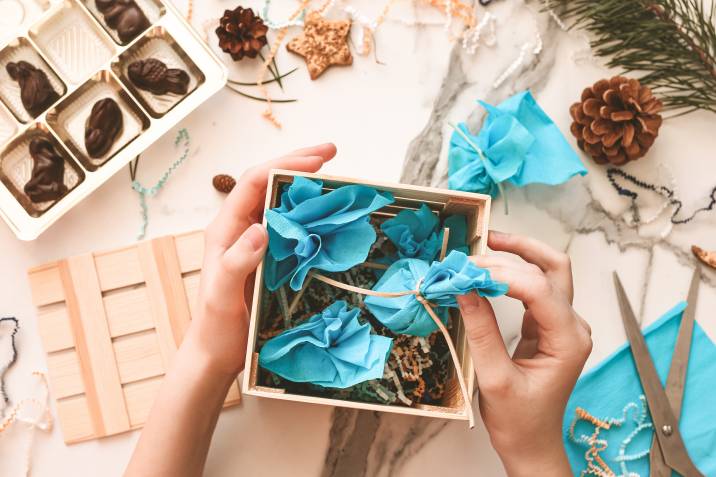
[522, 398]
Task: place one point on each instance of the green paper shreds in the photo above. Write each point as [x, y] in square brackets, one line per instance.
[670, 45]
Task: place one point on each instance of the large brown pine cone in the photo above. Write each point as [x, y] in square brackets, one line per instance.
[241, 33]
[616, 121]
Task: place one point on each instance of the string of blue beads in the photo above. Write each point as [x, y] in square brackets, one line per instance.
[182, 138]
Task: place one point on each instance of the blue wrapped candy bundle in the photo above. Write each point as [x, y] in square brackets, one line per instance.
[518, 143]
[440, 283]
[329, 232]
[417, 233]
[331, 349]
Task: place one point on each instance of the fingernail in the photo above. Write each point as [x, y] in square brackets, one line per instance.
[497, 234]
[256, 236]
[468, 303]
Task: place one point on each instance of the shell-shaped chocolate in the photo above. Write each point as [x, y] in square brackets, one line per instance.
[177, 81]
[154, 76]
[48, 172]
[36, 92]
[103, 126]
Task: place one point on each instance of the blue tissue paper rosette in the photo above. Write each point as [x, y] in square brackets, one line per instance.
[418, 234]
[519, 144]
[331, 349]
[329, 232]
[442, 282]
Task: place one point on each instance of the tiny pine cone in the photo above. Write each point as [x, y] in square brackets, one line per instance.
[224, 183]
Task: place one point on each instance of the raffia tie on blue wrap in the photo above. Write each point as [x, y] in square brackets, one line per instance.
[330, 349]
[440, 285]
[519, 144]
[329, 232]
[417, 234]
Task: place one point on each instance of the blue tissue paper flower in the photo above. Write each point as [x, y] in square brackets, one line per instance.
[442, 282]
[328, 232]
[519, 144]
[418, 234]
[331, 349]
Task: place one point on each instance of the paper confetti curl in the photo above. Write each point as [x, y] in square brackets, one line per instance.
[417, 233]
[439, 284]
[518, 143]
[329, 232]
[331, 349]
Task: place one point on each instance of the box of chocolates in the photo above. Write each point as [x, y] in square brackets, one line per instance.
[85, 87]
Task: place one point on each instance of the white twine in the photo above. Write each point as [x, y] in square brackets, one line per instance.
[557, 20]
[471, 39]
[520, 60]
[42, 418]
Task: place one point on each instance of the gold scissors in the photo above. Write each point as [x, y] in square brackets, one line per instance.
[667, 449]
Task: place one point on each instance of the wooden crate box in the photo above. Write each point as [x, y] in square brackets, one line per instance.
[476, 207]
[110, 323]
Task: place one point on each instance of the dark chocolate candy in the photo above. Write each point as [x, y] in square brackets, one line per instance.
[154, 76]
[102, 127]
[124, 16]
[48, 172]
[36, 92]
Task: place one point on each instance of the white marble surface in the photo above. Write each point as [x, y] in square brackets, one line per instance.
[374, 112]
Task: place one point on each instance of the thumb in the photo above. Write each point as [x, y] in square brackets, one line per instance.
[242, 258]
[483, 335]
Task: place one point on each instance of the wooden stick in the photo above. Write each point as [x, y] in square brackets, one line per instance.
[446, 238]
[377, 266]
[297, 298]
[283, 304]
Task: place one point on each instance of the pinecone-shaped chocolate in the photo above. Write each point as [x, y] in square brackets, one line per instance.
[616, 121]
[224, 183]
[241, 33]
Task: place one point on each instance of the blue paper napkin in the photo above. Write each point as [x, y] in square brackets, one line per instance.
[331, 349]
[520, 144]
[613, 384]
[418, 234]
[442, 282]
[328, 232]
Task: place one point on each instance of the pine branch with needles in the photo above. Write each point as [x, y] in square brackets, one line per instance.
[669, 45]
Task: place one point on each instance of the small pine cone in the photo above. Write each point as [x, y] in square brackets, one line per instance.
[616, 121]
[224, 183]
[241, 33]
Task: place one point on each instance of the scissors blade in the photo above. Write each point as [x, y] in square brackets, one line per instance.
[676, 381]
[666, 428]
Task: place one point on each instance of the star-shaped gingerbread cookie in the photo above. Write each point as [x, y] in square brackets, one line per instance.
[322, 44]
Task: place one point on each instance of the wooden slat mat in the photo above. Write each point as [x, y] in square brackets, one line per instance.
[110, 324]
